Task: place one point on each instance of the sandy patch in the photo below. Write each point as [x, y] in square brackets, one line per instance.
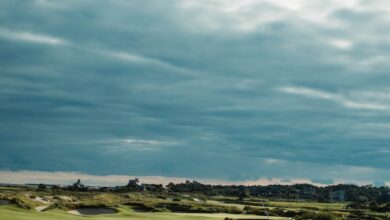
[74, 212]
[93, 211]
[41, 208]
[66, 198]
[41, 200]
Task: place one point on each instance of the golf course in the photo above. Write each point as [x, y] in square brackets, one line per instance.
[26, 203]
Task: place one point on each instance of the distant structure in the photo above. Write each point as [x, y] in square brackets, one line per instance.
[40, 186]
[134, 184]
[78, 184]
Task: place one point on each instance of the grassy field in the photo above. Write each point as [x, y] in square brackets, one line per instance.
[11, 212]
[26, 204]
[31, 204]
[309, 205]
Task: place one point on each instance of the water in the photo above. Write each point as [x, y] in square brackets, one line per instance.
[4, 202]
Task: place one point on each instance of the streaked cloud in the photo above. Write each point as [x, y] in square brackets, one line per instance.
[125, 56]
[272, 161]
[335, 97]
[30, 37]
[23, 177]
[252, 15]
[341, 44]
[39, 38]
[135, 141]
[131, 144]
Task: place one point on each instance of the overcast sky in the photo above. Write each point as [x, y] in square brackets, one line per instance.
[202, 89]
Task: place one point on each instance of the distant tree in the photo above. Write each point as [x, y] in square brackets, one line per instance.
[42, 187]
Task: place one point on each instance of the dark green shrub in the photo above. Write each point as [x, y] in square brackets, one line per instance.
[315, 216]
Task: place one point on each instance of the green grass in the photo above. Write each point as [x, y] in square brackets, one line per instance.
[10, 188]
[159, 206]
[11, 212]
[308, 205]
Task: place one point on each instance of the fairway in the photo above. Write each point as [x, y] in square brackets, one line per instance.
[308, 205]
[11, 212]
[30, 204]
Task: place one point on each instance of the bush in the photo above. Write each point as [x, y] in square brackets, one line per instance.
[315, 216]
[254, 211]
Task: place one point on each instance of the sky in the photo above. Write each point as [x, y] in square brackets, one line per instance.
[250, 91]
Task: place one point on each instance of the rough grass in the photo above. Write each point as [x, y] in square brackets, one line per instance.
[166, 206]
[12, 212]
[308, 205]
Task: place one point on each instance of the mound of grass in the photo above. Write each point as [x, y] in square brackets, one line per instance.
[316, 216]
[24, 202]
[141, 207]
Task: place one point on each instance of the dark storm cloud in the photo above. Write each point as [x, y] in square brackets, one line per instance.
[183, 88]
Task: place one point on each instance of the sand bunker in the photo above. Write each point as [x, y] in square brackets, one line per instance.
[66, 198]
[42, 200]
[41, 208]
[93, 211]
[4, 202]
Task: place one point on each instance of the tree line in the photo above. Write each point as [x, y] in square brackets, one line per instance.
[332, 193]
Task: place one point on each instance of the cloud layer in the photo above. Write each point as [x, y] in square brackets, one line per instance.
[236, 91]
[68, 178]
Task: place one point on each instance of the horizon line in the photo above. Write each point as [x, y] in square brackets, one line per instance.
[24, 177]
